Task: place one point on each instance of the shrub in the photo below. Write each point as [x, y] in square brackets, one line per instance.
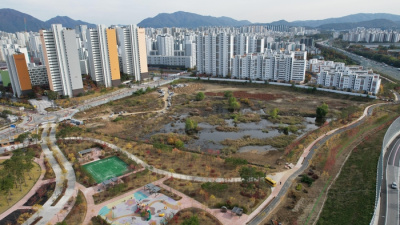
[299, 187]
[235, 161]
[322, 110]
[219, 187]
[193, 220]
[228, 94]
[179, 144]
[306, 179]
[200, 96]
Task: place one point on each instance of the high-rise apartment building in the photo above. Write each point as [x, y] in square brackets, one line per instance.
[133, 53]
[271, 65]
[214, 53]
[62, 60]
[18, 72]
[165, 45]
[103, 56]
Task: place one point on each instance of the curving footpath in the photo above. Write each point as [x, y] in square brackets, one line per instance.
[257, 216]
[51, 213]
[151, 168]
[274, 199]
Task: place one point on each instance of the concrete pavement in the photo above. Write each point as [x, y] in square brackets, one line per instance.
[49, 212]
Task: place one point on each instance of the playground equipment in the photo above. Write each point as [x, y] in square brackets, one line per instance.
[148, 211]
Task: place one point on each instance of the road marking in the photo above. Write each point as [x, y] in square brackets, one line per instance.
[390, 154]
[397, 150]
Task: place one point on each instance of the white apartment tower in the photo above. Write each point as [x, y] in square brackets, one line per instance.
[165, 45]
[132, 48]
[103, 56]
[62, 60]
[271, 65]
[214, 53]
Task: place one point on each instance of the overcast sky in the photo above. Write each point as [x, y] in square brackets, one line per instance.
[133, 11]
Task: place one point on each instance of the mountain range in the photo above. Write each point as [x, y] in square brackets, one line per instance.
[189, 20]
[184, 19]
[13, 21]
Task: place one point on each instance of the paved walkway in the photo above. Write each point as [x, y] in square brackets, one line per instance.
[50, 212]
[136, 113]
[38, 184]
[258, 215]
[151, 168]
[185, 202]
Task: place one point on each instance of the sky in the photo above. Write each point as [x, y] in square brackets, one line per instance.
[133, 11]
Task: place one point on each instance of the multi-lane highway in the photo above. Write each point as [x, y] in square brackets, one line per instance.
[389, 209]
[378, 67]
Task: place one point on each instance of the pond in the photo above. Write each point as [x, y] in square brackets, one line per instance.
[209, 138]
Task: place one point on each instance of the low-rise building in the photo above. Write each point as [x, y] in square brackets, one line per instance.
[347, 78]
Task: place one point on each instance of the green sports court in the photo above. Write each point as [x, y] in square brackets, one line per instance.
[105, 169]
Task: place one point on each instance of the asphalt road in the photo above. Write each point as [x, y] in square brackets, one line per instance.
[389, 211]
[390, 71]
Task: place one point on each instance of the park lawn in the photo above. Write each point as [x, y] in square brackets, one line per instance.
[16, 193]
[78, 212]
[107, 168]
[231, 194]
[351, 199]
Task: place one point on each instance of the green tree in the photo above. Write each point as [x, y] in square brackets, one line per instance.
[190, 126]
[35, 137]
[52, 95]
[200, 96]
[322, 110]
[22, 137]
[6, 185]
[193, 220]
[179, 144]
[274, 113]
[233, 104]
[228, 94]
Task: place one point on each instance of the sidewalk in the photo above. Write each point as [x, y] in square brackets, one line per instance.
[38, 184]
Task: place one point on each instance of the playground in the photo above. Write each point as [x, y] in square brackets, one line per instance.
[140, 208]
[105, 169]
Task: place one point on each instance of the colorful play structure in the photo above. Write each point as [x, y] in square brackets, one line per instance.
[138, 209]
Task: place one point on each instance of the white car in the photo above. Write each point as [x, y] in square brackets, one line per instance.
[394, 185]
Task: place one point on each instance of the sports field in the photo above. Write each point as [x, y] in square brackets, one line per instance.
[105, 169]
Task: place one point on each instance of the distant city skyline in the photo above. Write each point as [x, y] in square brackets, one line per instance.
[132, 12]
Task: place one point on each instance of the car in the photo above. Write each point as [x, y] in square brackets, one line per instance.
[394, 185]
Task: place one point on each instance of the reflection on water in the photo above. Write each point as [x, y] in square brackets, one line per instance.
[209, 138]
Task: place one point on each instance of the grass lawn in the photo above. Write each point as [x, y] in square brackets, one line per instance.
[78, 212]
[16, 193]
[351, 199]
[106, 168]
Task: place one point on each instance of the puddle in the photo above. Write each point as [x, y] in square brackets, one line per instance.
[209, 138]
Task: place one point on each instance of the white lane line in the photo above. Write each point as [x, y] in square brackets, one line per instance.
[390, 154]
[397, 150]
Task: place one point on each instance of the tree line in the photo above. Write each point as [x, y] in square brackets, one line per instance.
[14, 171]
